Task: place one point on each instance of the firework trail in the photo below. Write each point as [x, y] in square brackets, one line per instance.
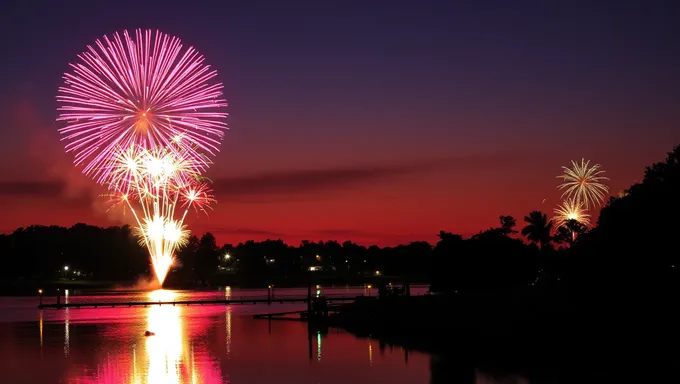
[142, 116]
[584, 184]
[571, 209]
[154, 184]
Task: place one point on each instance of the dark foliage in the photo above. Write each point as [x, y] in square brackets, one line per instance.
[108, 254]
[41, 252]
[631, 254]
[630, 257]
[490, 262]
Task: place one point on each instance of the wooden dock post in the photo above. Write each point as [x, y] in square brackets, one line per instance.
[310, 344]
[309, 299]
[269, 295]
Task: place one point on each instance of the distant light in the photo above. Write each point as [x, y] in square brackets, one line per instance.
[377, 273]
[40, 291]
[312, 268]
[227, 256]
[65, 267]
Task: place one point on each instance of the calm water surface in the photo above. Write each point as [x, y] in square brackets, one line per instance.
[196, 344]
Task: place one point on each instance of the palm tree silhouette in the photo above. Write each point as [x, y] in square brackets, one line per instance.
[538, 228]
[569, 231]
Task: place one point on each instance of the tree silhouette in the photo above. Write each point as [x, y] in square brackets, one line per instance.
[207, 256]
[490, 262]
[631, 255]
[538, 228]
[186, 263]
[569, 232]
[508, 224]
[628, 257]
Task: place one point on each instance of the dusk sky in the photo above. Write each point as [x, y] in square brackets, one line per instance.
[373, 121]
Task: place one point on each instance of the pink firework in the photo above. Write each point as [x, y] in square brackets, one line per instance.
[142, 91]
[142, 116]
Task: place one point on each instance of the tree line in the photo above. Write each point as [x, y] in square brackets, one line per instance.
[629, 258]
[633, 244]
[114, 253]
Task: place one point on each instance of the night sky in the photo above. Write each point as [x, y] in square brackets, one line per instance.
[375, 121]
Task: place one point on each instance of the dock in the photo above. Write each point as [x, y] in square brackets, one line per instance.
[302, 314]
[239, 301]
[280, 315]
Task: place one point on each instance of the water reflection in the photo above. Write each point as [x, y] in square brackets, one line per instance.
[195, 344]
[67, 325]
[228, 330]
[485, 378]
[40, 327]
[445, 370]
[164, 357]
[318, 345]
[67, 331]
[164, 349]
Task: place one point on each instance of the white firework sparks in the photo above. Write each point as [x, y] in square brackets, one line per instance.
[584, 183]
[571, 209]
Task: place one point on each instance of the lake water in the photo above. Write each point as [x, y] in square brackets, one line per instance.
[194, 344]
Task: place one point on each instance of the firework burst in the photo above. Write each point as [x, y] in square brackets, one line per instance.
[584, 183]
[144, 91]
[153, 185]
[142, 116]
[571, 209]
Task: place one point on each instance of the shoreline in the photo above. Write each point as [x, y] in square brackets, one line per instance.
[523, 335]
[26, 287]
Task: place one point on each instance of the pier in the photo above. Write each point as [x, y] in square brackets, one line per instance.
[238, 301]
[318, 309]
[301, 314]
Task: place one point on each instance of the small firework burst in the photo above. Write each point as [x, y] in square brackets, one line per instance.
[583, 183]
[571, 209]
